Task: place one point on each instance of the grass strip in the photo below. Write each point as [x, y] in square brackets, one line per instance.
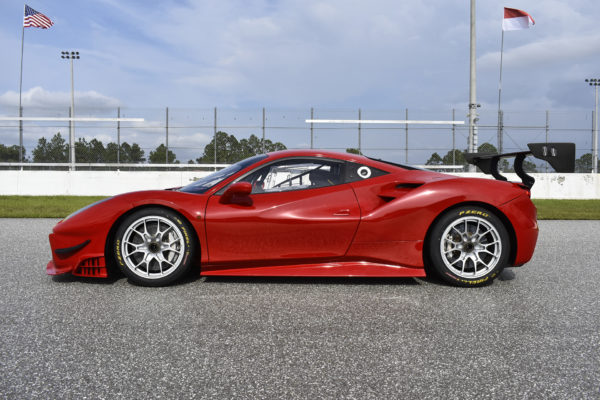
[61, 206]
[567, 209]
[43, 206]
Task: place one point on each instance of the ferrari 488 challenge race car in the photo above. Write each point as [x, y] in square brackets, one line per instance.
[313, 213]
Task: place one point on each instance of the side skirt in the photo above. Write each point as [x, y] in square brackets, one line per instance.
[331, 269]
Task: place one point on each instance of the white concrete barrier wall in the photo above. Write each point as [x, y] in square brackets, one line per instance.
[105, 183]
[91, 183]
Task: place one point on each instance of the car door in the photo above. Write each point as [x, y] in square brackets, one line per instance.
[299, 209]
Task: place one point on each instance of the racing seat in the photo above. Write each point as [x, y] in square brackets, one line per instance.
[320, 178]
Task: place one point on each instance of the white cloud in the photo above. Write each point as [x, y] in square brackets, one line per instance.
[38, 97]
[546, 53]
[333, 53]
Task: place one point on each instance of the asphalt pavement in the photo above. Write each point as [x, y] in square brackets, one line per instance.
[534, 333]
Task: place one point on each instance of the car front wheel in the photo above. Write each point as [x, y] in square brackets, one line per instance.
[153, 247]
[469, 246]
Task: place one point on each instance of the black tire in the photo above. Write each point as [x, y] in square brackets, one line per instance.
[468, 246]
[154, 247]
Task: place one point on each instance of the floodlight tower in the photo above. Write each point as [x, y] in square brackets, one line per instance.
[595, 83]
[71, 55]
[472, 91]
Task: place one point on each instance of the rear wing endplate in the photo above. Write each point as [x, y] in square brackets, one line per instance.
[561, 156]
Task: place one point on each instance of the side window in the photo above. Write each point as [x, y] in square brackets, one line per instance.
[295, 174]
[358, 172]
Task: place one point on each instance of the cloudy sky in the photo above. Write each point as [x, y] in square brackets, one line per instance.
[378, 54]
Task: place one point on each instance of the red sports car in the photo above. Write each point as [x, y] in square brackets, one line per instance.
[310, 213]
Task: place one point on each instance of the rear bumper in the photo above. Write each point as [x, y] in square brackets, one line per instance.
[523, 215]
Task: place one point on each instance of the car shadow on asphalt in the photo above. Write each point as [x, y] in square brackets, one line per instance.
[300, 280]
[68, 278]
[506, 275]
[113, 278]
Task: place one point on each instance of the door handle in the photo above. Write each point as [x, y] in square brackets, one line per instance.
[341, 213]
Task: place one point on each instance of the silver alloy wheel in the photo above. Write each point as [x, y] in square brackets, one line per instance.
[153, 247]
[471, 247]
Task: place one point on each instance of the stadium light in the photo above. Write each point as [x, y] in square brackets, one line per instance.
[71, 55]
[595, 83]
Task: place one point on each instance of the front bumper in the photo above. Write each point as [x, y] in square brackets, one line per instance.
[76, 255]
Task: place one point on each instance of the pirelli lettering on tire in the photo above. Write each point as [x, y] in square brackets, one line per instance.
[472, 282]
[187, 241]
[118, 252]
[479, 213]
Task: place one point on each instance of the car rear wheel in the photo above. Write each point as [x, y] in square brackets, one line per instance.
[153, 247]
[468, 246]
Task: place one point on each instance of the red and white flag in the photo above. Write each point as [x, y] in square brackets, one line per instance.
[516, 19]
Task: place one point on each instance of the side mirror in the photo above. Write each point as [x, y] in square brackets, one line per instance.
[238, 193]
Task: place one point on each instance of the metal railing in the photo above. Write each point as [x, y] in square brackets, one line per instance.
[166, 136]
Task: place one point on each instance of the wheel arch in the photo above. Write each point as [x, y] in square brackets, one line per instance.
[503, 218]
[108, 254]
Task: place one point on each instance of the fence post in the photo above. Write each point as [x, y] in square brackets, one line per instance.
[453, 138]
[215, 138]
[547, 131]
[21, 135]
[359, 133]
[312, 116]
[167, 137]
[595, 137]
[71, 141]
[500, 131]
[118, 135]
[263, 130]
[406, 145]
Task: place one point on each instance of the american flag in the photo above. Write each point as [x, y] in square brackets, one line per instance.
[35, 19]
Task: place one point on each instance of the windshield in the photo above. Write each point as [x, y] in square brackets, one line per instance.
[203, 184]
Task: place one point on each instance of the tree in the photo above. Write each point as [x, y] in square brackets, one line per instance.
[253, 146]
[159, 156]
[435, 159]
[584, 163]
[131, 153]
[10, 153]
[110, 153]
[354, 151]
[230, 150]
[89, 152]
[55, 151]
[455, 157]
[487, 148]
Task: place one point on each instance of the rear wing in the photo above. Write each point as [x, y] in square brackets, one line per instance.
[561, 156]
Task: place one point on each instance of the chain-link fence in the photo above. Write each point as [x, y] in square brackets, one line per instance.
[185, 137]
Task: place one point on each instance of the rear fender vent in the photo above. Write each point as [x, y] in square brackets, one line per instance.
[395, 190]
[408, 185]
[94, 267]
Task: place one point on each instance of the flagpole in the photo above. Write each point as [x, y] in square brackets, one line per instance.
[500, 119]
[21, 90]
